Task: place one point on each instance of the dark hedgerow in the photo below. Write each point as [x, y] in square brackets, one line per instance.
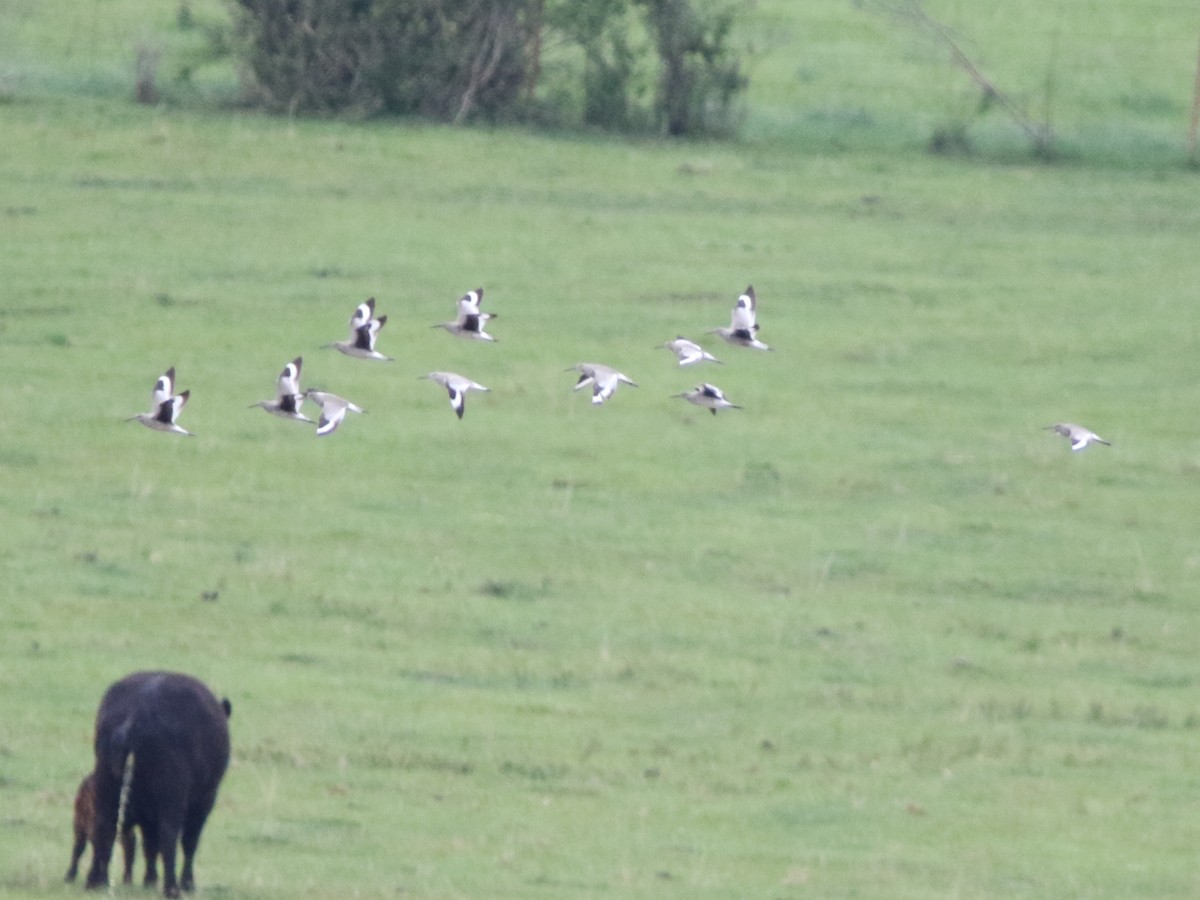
[455, 60]
[446, 59]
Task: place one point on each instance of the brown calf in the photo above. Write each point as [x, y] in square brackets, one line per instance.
[85, 823]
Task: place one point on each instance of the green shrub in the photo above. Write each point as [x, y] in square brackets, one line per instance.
[700, 78]
[459, 59]
[447, 59]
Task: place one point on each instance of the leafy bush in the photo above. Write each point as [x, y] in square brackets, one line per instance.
[700, 79]
[442, 58]
[611, 40]
[459, 59]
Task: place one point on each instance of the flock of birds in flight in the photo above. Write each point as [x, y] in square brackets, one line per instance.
[471, 323]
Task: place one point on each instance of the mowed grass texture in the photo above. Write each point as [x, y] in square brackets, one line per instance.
[877, 634]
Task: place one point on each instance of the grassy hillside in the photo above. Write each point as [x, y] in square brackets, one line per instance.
[1115, 85]
[877, 634]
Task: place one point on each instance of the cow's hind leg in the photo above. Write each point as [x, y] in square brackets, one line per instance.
[150, 852]
[191, 840]
[129, 846]
[168, 838]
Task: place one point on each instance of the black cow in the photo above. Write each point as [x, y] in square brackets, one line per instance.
[162, 740]
[85, 823]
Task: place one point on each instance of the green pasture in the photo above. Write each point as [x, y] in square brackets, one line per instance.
[877, 634]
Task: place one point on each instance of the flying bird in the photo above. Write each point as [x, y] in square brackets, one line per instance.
[1079, 436]
[364, 329]
[470, 320]
[743, 323]
[603, 379]
[288, 397]
[457, 385]
[688, 352]
[165, 406]
[709, 396]
[333, 410]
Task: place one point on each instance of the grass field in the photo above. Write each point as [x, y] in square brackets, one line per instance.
[875, 635]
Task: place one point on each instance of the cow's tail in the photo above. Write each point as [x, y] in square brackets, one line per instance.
[123, 803]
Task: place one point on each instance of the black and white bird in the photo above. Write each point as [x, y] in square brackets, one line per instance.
[165, 406]
[333, 410]
[470, 321]
[743, 323]
[457, 385]
[603, 379]
[288, 397]
[709, 396]
[364, 329]
[1079, 436]
[688, 352]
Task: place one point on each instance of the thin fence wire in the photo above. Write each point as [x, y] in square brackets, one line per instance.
[1082, 71]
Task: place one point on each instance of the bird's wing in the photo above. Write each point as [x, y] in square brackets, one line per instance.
[605, 387]
[373, 328]
[170, 408]
[742, 319]
[331, 417]
[163, 388]
[749, 299]
[362, 315]
[289, 380]
[468, 303]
